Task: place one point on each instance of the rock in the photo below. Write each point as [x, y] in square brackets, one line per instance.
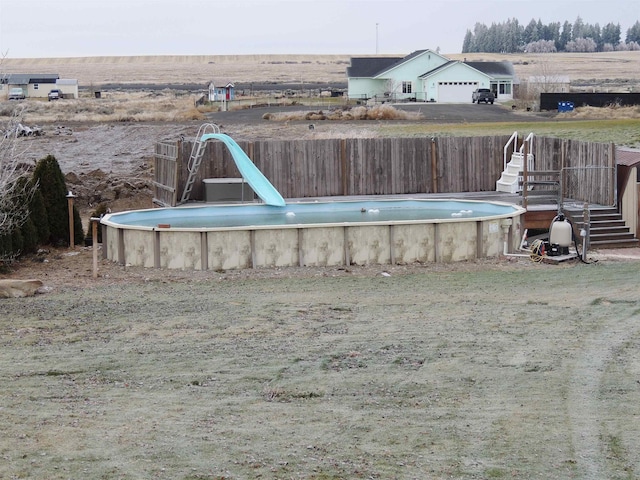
[19, 288]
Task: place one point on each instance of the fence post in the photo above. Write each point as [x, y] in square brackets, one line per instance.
[434, 166]
[525, 175]
[343, 165]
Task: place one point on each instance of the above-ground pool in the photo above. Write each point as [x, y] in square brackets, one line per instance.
[223, 237]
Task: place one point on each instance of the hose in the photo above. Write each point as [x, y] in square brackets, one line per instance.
[537, 251]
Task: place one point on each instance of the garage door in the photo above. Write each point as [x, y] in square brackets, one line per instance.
[456, 92]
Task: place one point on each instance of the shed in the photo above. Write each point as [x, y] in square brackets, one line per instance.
[221, 90]
[628, 185]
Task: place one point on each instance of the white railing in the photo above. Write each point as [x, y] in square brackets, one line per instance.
[513, 139]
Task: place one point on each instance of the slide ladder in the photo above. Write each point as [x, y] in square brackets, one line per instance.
[195, 159]
[511, 177]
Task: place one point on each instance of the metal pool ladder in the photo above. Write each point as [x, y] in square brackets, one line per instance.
[195, 159]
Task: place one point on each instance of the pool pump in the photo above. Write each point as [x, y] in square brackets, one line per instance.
[560, 236]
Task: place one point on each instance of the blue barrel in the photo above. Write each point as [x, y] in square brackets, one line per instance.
[565, 107]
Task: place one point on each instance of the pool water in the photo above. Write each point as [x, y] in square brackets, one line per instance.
[359, 212]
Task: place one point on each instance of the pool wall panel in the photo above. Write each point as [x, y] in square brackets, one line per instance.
[139, 249]
[414, 243]
[369, 245]
[322, 247]
[456, 242]
[229, 250]
[180, 250]
[276, 248]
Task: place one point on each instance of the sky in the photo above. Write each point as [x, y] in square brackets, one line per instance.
[82, 28]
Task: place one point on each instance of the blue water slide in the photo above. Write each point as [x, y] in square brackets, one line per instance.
[254, 177]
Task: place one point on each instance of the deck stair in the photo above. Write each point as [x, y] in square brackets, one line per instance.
[195, 159]
[510, 180]
[608, 228]
[511, 177]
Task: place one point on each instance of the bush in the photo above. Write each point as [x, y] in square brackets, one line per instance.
[39, 219]
[52, 186]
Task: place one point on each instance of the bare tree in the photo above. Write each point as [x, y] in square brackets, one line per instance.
[546, 80]
[15, 189]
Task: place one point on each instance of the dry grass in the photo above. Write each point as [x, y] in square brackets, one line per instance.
[376, 112]
[188, 69]
[164, 106]
[438, 371]
[607, 69]
[611, 112]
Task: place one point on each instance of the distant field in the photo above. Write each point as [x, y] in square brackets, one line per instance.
[614, 70]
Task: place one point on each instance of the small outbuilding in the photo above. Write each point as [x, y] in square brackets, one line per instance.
[221, 91]
[628, 186]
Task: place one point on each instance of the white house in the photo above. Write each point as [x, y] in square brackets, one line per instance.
[38, 85]
[426, 76]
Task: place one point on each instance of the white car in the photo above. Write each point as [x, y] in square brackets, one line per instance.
[16, 94]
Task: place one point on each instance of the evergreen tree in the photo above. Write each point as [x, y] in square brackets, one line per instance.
[514, 35]
[6, 249]
[510, 37]
[531, 33]
[52, 186]
[553, 32]
[611, 34]
[593, 32]
[565, 36]
[28, 234]
[39, 218]
[467, 43]
[578, 29]
[633, 33]
[481, 37]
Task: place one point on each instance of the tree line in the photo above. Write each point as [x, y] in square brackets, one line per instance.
[536, 37]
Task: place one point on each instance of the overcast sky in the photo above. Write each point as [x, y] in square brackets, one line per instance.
[77, 28]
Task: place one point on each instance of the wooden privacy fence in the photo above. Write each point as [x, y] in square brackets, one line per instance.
[372, 166]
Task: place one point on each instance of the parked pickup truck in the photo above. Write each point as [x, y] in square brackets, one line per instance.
[55, 94]
[482, 95]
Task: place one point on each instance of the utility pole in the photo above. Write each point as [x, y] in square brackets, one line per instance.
[376, 38]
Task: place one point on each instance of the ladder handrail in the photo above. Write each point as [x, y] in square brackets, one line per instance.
[530, 157]
[197, 145]
[513, 139]
[195, 159]
[528, 140]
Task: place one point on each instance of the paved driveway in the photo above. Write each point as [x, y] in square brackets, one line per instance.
[432, 113]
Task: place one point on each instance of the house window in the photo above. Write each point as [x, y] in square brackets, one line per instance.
[35, 86]
[406, 87]
[504, 88]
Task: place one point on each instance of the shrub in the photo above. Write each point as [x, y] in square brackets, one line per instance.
[51, 185]
[38, 217]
